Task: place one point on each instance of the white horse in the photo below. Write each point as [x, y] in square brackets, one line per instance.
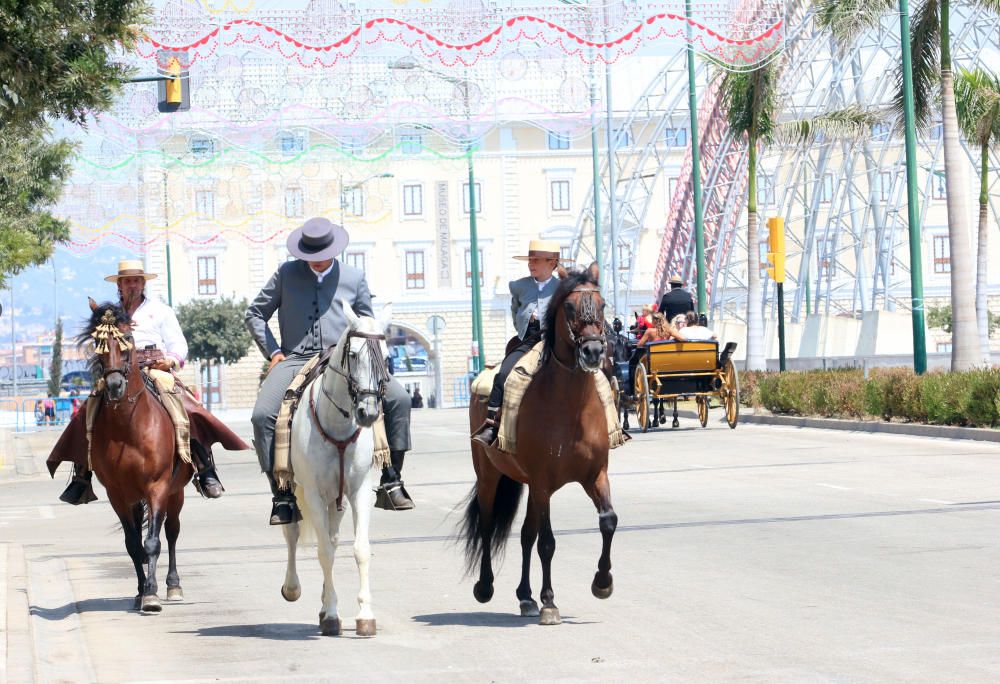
[332, 449]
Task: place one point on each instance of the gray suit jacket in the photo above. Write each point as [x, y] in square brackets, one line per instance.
[310, 317]
[525, 298]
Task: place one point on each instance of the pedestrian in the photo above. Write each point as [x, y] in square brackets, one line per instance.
[418, 398]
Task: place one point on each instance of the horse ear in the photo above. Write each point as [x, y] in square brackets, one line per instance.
[595, 273]
[352, 318]
[93, 304]
[385, 317]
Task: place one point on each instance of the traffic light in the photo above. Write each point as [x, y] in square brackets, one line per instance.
[175, 90]
[776, 248]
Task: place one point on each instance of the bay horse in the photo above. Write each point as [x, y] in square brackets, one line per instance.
[133, 454]
[332, 455]
[562, 437]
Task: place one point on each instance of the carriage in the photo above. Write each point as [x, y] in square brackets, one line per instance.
[672, 370]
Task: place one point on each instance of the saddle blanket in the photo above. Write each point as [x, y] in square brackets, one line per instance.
[513, 393]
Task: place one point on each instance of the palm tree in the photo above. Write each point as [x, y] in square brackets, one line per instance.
[750, 99]
[977, 101]
[930, 42]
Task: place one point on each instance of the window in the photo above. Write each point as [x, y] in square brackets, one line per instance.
[942, 254]
[355, 259]
[293, 202]
[211, 393]
[559, 195]
[624, 258]
[939, 190]
[468, 267]
[566, 252]
[204, 204]
[201, 146]
[885, 185]
[353, 143]
[765, 189]
[207, 284]
[411, 143]
[413, 200]
[676, 137]
[825, 258]
[415, 270]
[291, 143]
[880, 131]
[478, 198]
[558, 141]
[623, 137]
[353, 201]
[826, 192]
[943, 347]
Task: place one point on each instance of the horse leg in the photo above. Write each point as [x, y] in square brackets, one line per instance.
[600, 492]
[150, 601]
[529, 533]
[318, 511]
[172, 526]
[361, 510]
[546, 550]
[291, 590]
[133, 544]
[486, 492]
[676, 422]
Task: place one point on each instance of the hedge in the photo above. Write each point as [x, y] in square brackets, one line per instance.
[969, 398]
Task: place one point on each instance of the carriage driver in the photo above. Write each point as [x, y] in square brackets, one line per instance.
[306, 293]
[529, 298]
[162, 349]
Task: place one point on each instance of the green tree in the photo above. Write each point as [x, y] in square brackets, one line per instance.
[977, 100]
[930, 43]
[215, 331]
[940, 317]
[58, 60]
[55, 368]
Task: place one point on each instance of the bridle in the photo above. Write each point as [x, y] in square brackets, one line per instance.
[588, 312]
[377, 367]
[106, 334]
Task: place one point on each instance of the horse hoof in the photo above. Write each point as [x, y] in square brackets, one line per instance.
[550, 616]
[175, 594]
[291, 594]
[602, 592]
[365, 627]
[482, 595]
[529, 608]
[151, 604]
[676, 424]
[330, 626]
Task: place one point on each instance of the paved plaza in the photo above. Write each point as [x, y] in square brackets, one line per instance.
[764, 554]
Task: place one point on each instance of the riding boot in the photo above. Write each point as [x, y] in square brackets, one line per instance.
[207, 480]
[80, 489]
[284, 509]
[487, 434]
[391, 494]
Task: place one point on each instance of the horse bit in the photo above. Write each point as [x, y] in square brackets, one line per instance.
[588, 314]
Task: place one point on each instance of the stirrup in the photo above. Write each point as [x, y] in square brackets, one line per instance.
[487, 432]
[392, 496]
[284, 511]
[79, 491]
[208, 484]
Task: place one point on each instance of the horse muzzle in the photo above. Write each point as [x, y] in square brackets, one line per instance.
[590, 355]
[367, 410]
[115, 385]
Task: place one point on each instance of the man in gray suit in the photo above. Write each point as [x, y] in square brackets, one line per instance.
[529, 299]
[306, 293]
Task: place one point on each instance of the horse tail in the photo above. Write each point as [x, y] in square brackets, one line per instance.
[505, 505]
[307, 532]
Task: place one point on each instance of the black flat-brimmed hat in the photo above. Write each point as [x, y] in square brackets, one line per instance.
[318, 239]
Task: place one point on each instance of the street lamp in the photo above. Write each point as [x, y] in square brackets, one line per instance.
[477, 316]
[354, 186]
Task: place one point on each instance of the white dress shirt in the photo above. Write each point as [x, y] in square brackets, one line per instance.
[542, 304]
[320, 276]
[155, 323]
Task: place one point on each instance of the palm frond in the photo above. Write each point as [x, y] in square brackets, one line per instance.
[850, 123]
[991, 6]
[925, 49]
[750, 99]
[848, 19]
[977, 101]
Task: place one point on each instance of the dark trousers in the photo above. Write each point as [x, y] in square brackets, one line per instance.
[532, 337]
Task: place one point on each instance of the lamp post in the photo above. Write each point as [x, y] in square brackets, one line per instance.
[354, 186]
[699, 223]
[477, 316]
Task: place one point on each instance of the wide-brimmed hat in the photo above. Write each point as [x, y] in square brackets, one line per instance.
[676, 280]
[543, 249]
[318, 239]
[128, 268]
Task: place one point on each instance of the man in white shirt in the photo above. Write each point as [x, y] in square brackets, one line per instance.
[693, 331]
[161, 347]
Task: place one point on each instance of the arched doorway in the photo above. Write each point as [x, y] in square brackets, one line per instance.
[414, 362]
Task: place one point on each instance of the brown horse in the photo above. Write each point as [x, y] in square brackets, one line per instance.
[133, 454]
[562, 437]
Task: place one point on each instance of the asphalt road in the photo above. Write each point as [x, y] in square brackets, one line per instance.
[762, 554]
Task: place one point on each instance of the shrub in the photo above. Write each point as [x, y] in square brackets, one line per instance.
[982, 403]
[750, 388]
[894, 393]
[944, 398]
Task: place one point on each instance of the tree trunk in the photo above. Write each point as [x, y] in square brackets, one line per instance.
[965, 352]
[755, 316]
[982, 246]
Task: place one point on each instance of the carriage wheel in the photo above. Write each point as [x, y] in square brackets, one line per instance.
[731, 389]
[703, 410]
[642, 397]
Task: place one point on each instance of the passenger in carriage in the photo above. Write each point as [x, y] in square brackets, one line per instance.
[694, 331]
[662, 330]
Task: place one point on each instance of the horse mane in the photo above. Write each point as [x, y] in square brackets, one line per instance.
[90, 325]
[568, 283]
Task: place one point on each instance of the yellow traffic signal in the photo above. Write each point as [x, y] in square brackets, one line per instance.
[174, 90]
[776, 248]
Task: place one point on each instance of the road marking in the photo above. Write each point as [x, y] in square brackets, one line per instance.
[830, 486]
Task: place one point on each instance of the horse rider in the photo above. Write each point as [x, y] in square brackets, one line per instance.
[306, 294]
[530, 297]
[162, 349]
[677, 301]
